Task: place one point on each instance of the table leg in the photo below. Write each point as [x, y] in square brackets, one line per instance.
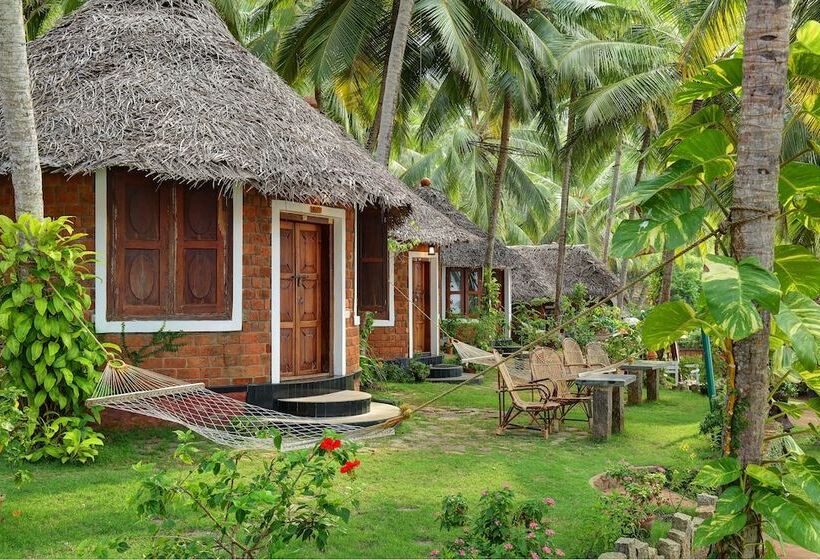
[617, 410]
[601, 412]
[652, 380]
[635, 389]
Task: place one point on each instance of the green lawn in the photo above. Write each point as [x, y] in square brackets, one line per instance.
[450, 448]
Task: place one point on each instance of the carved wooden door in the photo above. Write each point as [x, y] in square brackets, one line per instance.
[421, 306]
[301, 299]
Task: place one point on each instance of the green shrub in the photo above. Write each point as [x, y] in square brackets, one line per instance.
[419, 370]
[391, 371]
[246, 513]
[50, 351]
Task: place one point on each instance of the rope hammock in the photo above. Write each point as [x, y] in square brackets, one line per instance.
[212, 415]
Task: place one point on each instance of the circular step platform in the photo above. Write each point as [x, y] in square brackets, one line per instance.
[339, 403]
[444, 371]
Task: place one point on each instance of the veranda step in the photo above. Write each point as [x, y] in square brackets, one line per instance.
[341, 404]
[430, 360]
[444, 371]
[469, 377]
[379, 412]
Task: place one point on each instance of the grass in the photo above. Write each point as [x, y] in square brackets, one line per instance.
[451, 448]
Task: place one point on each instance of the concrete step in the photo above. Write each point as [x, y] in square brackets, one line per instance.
[379, 412]
[444, 371]
[337, 404]
[470, 377]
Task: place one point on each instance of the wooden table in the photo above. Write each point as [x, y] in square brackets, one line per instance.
[647, 372]
[607, 404]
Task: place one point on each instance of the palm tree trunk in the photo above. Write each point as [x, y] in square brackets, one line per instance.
[392, 81]
[613, 197]
[647, 136]
[760, 136]
[373, 134]
[500, 169]
[566, 176]
[766, 50]
[666, 276]
[18, 113]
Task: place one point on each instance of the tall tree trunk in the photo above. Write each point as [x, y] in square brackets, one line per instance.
[392, 81]
[765, 56]
[373, 134]
[613, 197]
[18, 113]
[500, 169]
[566, 178]
[666, 276]
[647, 136]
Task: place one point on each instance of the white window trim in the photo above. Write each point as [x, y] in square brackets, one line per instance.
[435, 331]
[337, 304]
[101, 322]
[391, 296]
[507, 296]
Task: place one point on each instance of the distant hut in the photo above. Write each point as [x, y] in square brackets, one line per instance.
[536, 278]
[219, 202]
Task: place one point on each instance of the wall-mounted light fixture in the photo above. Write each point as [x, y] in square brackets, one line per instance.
[431, 250]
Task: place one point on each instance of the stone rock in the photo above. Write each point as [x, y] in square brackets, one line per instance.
[702, 552]
[648, 553]
[705, 512]
[630, 547]
[684, 542]
[705, 499]
[612, 556]
[668, 548]
[641, 549]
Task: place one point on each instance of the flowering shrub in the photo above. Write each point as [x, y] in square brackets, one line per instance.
[503, 527]
[247, 511]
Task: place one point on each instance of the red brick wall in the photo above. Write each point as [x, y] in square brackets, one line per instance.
[218, 359]
[393, 342]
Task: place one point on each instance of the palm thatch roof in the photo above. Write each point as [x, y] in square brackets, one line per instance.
[469, 241]
[537, 278]
[428, 223]
[161, 86]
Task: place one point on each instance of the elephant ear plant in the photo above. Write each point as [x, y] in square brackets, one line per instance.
[48, 350]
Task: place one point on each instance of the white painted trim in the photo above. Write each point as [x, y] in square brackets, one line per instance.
[339, 313]
[357, 319]
[103, 325]
[435, 331]
[391, 294]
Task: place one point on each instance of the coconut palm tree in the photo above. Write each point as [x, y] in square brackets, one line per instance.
[18, 112]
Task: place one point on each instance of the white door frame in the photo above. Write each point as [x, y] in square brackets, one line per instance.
[435, 343]
[339, 314]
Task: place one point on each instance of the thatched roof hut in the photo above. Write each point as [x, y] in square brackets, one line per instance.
[427, 222]
[470, 241]
[161, 86]
[537, 278]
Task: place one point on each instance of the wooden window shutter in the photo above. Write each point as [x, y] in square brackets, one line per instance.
[138, 215]
[203, 245]
[373, 260]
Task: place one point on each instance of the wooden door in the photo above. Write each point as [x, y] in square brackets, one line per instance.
[421, 306]
[302, 294]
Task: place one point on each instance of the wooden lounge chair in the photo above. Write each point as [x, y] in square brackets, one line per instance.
[597, 356]
[541, 412]
[574, 359]
[547, 365]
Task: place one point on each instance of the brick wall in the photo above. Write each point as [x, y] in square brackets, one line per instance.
[393, 342]
[218, 359]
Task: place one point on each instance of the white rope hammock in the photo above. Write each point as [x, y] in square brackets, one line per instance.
[217, 417]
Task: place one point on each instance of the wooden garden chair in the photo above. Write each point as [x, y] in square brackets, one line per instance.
[574, 359]
[597, 356]
[547, 365]
[541, 412]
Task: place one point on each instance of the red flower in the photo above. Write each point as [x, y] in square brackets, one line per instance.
[349, 466]
[330, 444]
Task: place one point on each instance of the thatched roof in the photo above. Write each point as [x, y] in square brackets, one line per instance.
[470, 240]
[538, 278]
[161, 86]
[428, 223]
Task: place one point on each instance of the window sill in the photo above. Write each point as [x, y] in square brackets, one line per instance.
[188, 325]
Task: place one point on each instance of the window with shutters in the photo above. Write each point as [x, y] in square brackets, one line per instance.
[373, 274]
[465, 286]
[169, 250]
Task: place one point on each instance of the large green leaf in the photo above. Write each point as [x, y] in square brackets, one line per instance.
[668, 222]
[731, 501]
[718, 472]
[812, 379]
[804, 54]
[797, 520]
[718, 526]
[666, 323]
[680, 173]
[710, 149]
[764, 476]
[802, 478]
[720, 77]
[702, 120]
[797, 268]
[799, 185]
[799, 319]
[731, 290]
